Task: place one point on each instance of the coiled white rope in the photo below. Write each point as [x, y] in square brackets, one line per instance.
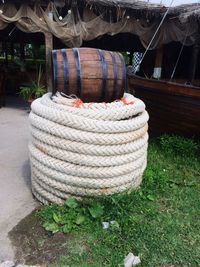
[86, 149]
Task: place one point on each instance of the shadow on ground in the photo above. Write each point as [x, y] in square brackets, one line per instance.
[26, 173]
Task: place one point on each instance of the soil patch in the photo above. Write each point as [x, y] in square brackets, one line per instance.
[33, 245]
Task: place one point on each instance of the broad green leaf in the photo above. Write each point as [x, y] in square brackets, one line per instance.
[52, 227]
[150, 197]
[71, 202]
[57, 218]
[80, 219]
[67, 228]
[96, 210]
[114, 225]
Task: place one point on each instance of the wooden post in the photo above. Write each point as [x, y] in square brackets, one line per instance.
[193, 63]
[158, 63]
[74, 7]
[22, 51]
[22, 56]
[12, 52]
[5, 52]
[131, 58]
[49, 47]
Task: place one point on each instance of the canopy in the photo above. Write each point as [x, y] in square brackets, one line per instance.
[73, 29]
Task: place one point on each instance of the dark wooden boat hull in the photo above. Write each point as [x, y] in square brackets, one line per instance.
[173, 108]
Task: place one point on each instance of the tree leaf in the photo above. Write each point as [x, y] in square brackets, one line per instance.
[71, 202]
[96, 210]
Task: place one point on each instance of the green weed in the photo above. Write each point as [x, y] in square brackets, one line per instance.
[70, 216]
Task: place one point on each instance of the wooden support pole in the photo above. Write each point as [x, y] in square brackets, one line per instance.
[49, 47]
[193, 63]
[22, 51]
[5, 52]
[131, 58]
[3, 49]
[22, 56]
[74, 7]
[12, 52]
[158, 63]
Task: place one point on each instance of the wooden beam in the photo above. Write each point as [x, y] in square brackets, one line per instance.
[158, 63]
[74, 7]
[12, 51]
[22, 51]
[49, 48]
[5, 52]
[22, 56]
[131, 58]
[193, 63]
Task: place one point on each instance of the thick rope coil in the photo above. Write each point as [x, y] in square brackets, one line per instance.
[90, 149]
[91, 125]
[114, 111]
[84, 171]
[86, 149]
[88, 160]
[106, 182]
[68, 133]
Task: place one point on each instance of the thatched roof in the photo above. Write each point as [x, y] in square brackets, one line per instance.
[92, 19]
[184, 11]
[140, 8]
[189, 12]
[132, 4]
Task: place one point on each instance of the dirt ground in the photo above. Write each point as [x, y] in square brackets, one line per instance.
[34, 245]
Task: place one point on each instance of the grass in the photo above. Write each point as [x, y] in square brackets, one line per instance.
[160, 222]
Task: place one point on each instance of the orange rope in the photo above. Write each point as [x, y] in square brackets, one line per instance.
[78, 103]
[123, 100]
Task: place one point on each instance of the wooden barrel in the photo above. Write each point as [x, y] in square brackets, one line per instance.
[93, 75]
